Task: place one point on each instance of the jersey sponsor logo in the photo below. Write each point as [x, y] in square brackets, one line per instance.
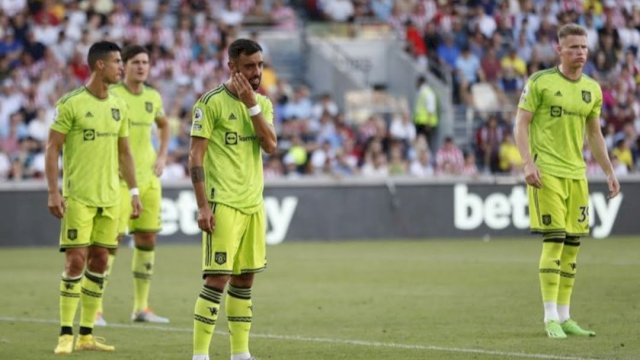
[148, 106]
[231, 138]
[115, 114]
[88, 134]
[72, 234]
[556, 111]
[233, 117]
[197, 114]
[558, 93]
[586, 96]
[220, 257]
[546, 219]
[89, 114]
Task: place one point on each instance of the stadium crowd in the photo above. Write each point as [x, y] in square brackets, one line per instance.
[43, 47]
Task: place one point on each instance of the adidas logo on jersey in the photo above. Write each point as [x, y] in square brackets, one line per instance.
[233, 117]
[558, 93]
[88, 114]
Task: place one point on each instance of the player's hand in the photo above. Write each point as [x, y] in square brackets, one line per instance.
[206, 219]
[158, 167]
[532, 175]
[244, 90]
[614, 186]
[136, 207]
[56, 205]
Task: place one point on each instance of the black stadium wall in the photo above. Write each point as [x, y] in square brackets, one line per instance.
[303, 210]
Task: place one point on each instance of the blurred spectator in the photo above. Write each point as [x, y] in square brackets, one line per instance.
[5, 166]
[402, 129]
[375, 165]
[468, 72]
[283, 16]
[449, 158]
[510, 160]
[487, 143]
[470, 168]
[425, 115]
[421, 166]
[397, 164]
[623, 153]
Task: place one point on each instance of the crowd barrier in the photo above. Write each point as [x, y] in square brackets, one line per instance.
[354, 209]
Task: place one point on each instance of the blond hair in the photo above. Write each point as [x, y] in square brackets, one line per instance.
[571, 29]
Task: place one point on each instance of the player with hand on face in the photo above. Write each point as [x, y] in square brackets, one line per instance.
[232, 125]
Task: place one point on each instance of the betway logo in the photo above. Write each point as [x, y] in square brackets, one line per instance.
[180, 215]
[498, 210]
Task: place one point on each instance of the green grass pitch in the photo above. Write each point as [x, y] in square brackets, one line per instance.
[436, 299]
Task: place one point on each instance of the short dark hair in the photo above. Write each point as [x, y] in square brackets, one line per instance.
[243, 46]
[130, 51]
[99, 50]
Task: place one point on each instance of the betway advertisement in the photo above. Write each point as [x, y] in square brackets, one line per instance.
[397, 210]
[355, 210]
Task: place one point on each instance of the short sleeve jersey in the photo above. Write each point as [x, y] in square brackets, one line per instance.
[144, 109]
[92, 127]
[561, 107]
[233, 161]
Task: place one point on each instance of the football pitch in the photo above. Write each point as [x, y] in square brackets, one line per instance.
[435, 299]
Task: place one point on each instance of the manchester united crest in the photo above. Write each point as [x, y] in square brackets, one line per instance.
[220, 258]
[586, 96]
[115, 114]
[148, 106]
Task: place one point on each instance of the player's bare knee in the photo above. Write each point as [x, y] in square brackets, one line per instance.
[242, 280]
[74, 263]
[216, 281]
[97, 259]
[145, 240]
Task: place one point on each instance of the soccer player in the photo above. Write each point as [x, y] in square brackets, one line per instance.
[91, 129]
[557, 107]
[145, 109]
[231, 124]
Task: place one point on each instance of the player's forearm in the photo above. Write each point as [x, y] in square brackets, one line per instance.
[196, 170]
[164, 132]
[197, 180]
[51, 167]
[265, 133]
[521, 136]
[599, 151]
[127, 169]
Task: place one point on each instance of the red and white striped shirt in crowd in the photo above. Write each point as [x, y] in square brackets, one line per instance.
[449, 159]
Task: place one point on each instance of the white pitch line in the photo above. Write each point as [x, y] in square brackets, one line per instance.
[330, 341]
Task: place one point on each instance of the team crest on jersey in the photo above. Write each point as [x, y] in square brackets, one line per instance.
[148, 106]
[115, 114]
[586, 96]
[72, 234]
[220, 258]
[546, 219]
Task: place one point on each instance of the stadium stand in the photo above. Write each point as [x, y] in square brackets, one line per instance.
[482, 50]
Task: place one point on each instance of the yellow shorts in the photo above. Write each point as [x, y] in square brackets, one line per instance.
[84, 225]
[149, 220]
[237, 244]
[561, 206]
